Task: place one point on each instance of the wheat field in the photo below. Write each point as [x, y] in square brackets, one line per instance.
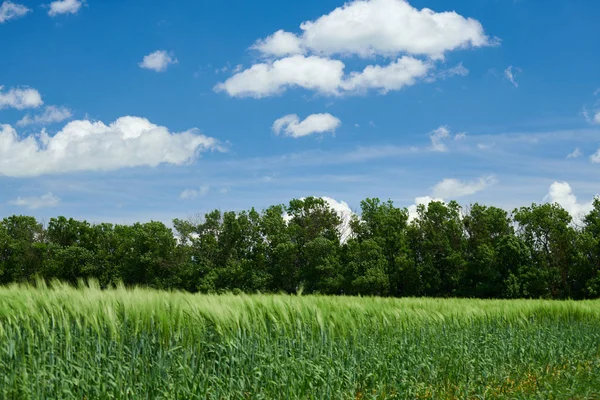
[62, 342]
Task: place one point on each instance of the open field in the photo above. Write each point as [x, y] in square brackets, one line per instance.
[68, 343]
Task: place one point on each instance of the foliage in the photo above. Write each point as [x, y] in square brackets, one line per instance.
[68, 343]
[480, 252]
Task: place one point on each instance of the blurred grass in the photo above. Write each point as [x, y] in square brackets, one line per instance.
[75, 343]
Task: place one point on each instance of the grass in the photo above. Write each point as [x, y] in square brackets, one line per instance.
[67, 343]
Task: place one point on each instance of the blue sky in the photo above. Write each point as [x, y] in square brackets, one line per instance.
[128, 111]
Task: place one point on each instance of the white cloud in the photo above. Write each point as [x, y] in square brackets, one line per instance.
[510, 75]
[158, 61]
[390, 28]
[596, 118]
[323, 75]
[64, 7]
[575, 153]
[84, 145]
[453, 188]
[345, 213]
[279, 44]
[595, 158]
[380, 27]
[51, 114]
[44, 201]
[394, 76]
[20, 98]
[342, 209]
[267, 79]
[425, 200]
[437, 138]
[188, 194]
[315, 123]
[9, 10]
[458, 70]
[460, 136]
[562, 194]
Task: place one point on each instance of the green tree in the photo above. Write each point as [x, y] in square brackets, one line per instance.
[487, 229]
[546, 230]
[438, 241]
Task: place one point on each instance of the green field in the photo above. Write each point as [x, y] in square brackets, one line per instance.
[68, 343]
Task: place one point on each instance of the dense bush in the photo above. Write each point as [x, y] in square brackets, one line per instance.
[484, 252]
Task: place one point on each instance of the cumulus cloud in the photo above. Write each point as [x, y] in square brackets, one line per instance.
[64, 7]
[437, 138]
[322, 75]
[380, 27]
[51, 114]
[9, 10]
[158, 61]
[450, 188]
[342, 209]
[575, 153]
[84, 145]
[460, 136]
[425, 200]
[266, 79]
[454, 188]
[291, 125]
[365, 28]
[394, 76]
[279, 44]
[562, 194]
[345, 213]
[20, 98]
[44, 201]
[189, 194]
[510, 73]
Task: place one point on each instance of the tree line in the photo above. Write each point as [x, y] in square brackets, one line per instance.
[484, 252]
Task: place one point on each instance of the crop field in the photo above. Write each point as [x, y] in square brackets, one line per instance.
[86, 343]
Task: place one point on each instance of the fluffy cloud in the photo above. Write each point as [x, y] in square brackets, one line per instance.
[453, 188]
[379, 27]
[403, 72]
[64, 7]
[562, 194]
[51, 114]
[509, 73]
[389, 28]
[279, 44]
[271, 78]
[345, 213]
[158, 61]
[46, 200]
[9, 10]
[20, 98]
[342, 209]
[596, 118]
[425, 200]
[92, 146]
[437, 138]
[315, 123]
[323, 75]
[189, 194]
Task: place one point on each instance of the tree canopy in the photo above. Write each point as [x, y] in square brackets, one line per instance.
[445, 251]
